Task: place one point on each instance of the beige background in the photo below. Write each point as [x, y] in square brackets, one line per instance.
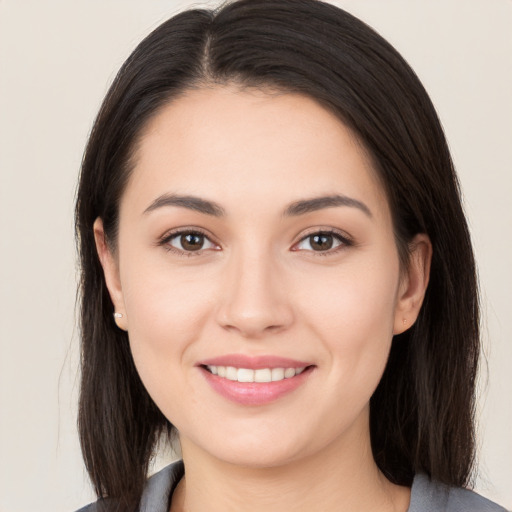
[56, 61]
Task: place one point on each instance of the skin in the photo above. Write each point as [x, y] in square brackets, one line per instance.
[259, 286]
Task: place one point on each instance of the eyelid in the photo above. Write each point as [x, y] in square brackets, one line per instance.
[191, 230]
[344, 239]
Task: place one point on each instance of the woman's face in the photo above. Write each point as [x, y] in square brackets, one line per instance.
[256, 243]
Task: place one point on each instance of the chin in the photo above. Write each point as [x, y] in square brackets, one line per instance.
[251, 451]
[256, 458]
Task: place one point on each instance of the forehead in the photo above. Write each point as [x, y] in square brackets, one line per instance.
[250, 145]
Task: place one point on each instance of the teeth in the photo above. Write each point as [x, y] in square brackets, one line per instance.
[277, 374]
[260, 375]
[245, 375]
[289, 372]
[231, 373]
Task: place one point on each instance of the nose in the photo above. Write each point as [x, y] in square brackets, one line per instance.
[254, 299]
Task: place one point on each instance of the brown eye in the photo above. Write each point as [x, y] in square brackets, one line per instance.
[323, 242]
[189, 241]
[192, 242]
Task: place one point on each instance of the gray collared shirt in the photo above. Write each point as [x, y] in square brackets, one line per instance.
[426, 495]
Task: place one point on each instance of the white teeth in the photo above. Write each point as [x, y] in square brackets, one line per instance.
[289, 373]
[277, 374]
[231, 373]
[245, 375]
[262, 375]
[249, 375]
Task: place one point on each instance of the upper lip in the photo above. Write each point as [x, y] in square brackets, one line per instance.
[254, 362]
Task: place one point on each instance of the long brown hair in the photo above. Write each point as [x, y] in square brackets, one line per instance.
[421, 415]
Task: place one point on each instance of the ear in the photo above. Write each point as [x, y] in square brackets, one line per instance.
[413, 284]
[111, 271]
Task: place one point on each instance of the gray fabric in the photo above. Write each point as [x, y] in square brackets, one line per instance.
[157, 493]
[426, 495]
[429, 496]
[159, 489]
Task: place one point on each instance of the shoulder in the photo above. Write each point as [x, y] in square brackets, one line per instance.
[157, 491]
[430, 496]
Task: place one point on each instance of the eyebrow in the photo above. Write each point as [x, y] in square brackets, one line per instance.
[319, 203]
[191, 202]
[294, 209]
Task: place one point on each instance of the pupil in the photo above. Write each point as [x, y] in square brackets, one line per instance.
[322, 242]
[191, 242]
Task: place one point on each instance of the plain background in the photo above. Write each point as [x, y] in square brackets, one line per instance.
[57, 59]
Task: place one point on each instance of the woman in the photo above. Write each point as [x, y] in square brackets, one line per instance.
[277, 269]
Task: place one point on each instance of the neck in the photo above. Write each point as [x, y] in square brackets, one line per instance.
[343, 476]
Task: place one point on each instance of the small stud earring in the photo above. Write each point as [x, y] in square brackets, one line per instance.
[118, 315]
[404, 320]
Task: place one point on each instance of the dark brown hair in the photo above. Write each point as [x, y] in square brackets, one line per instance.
[421, 415]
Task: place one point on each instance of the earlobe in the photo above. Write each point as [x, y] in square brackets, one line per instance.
[111, 272]
[414, 283]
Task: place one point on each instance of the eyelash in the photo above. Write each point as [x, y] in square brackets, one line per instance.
[344, 240]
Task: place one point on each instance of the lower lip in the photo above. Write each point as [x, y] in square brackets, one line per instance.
[255, 393]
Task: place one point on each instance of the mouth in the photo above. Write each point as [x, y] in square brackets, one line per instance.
[255, 380]
[260, 375]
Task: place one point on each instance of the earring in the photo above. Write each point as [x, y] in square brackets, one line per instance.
[404, 321]
[117, 319]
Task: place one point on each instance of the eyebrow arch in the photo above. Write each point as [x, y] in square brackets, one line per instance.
[296, 208]
[318, 203]
[190, 202]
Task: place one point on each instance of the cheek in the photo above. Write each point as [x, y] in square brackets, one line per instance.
[166, 313]
[359, 298]
[353, 318]
[165, 317]
[164, 303]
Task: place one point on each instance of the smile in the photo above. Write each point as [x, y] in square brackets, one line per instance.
[261, 375]
[255, 381]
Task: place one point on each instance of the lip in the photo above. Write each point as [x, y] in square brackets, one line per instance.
[254, 362]
[254, 393]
